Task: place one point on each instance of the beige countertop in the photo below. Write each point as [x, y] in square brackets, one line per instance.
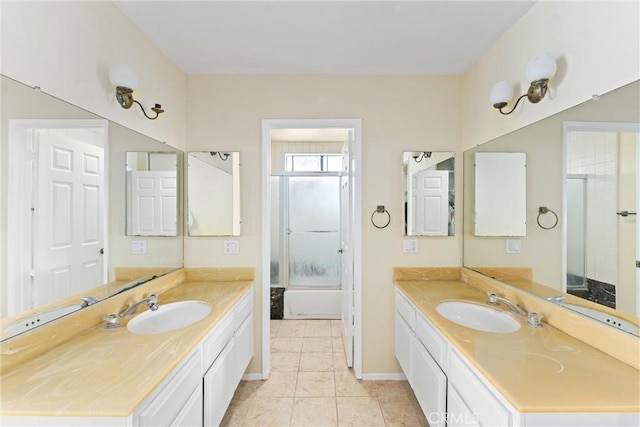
[536, 370]
[109, 373]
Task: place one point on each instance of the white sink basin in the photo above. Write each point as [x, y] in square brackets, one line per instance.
[169, 317]
[478, 317]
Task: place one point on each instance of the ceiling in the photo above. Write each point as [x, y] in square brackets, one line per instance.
[324, 37]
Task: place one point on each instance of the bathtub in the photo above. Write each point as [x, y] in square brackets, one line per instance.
[312, 304]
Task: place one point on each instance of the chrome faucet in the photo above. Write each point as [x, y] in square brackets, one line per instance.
[557, 299]
[87, 301]
[495, 300]
[130, 309]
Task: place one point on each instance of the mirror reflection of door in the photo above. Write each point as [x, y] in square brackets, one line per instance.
[57, 181]
[602, 234]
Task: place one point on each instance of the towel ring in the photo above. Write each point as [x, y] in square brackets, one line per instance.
[381, 209]
[543, 210]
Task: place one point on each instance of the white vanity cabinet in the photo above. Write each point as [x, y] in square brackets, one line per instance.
[228, 353]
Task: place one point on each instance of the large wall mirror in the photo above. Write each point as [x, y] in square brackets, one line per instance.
[581, 242]
[213, 195]
[428, 181]
[63, 210]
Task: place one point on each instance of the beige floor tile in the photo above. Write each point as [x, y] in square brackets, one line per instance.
[234, 417]
[314, 411]
[317, 345]
[246, 389]
[315, 384]
[340, 362]
[336, 328]
[318, 329]
[393, 389]
[270, 412]
[316, 362]
[286, 345]
[359, 411]
[285, 362]
[348, 385]
[279, 384]
[338, 344]
[402, 412]
[291, 330]
[274, 326]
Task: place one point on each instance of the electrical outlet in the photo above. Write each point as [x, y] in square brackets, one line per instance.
[410, 246]
[513, 246]
[138, 247]
[231, 247]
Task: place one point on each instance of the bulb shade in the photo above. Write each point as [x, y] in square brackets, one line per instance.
[501, 92]
[541, 66]
[123, 75]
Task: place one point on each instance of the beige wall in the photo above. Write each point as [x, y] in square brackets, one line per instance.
[67, 48]
[597, 46]
[398, 114]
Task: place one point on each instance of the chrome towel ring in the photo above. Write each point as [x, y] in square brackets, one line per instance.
[544, 210]
[380, 209]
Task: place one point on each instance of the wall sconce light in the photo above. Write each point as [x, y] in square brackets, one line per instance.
[223, 156]
[124, 78]
[540, 69]
[419, 155]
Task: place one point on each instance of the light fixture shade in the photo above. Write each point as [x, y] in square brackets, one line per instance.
[541, 66]
[123, 75]
[501, 93]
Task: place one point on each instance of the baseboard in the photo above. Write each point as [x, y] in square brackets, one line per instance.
[398, 376]
[252, 377]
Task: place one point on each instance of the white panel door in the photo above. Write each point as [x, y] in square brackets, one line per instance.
[431, 203]
[346, 214]
[68, 234]
[153, 203]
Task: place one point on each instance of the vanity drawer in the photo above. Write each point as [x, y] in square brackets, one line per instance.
[406, 310]
[243, 310]
[432, 340]
[478, 398]
[218, 339]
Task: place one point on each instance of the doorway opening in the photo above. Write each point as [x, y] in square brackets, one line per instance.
[312, 227]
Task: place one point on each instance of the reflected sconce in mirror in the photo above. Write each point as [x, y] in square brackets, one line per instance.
[125, 79]
[223, 156]
[418, 156]
[540, 69]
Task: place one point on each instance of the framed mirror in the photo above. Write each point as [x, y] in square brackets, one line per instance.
[42, 192]
[213, 193]
[428, 193]
[544, 262]
[152, 193]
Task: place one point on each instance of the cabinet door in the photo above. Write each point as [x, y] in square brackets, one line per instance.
[191, 414]
[459, 414]
[244, 347]
[429, 385]
[219, 386]
[403, 344]
[165, 406]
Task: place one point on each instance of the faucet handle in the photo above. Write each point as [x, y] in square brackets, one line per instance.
[493, 298]
[111, 321]
[534, 320]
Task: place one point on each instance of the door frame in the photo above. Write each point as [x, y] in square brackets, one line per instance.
[18, 226]
[267, 126]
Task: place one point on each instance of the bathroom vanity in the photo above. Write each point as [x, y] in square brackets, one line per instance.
[113, 377]
[530, 377]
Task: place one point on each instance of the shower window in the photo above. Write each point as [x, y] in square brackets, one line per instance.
[313, 162]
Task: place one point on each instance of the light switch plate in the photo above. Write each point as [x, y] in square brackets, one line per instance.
[513, 246]
[138, 247]
[410, 246]
[231, 247]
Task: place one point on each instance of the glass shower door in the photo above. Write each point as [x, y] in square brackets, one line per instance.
[314, 232]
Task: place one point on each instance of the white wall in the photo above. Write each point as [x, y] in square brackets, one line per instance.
[597, 46]
[67, 48]
[398, 114]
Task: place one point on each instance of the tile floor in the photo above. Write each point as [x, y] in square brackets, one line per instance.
[310, 385]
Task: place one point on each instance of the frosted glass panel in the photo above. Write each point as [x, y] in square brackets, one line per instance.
[314, 259]
[314, 203]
